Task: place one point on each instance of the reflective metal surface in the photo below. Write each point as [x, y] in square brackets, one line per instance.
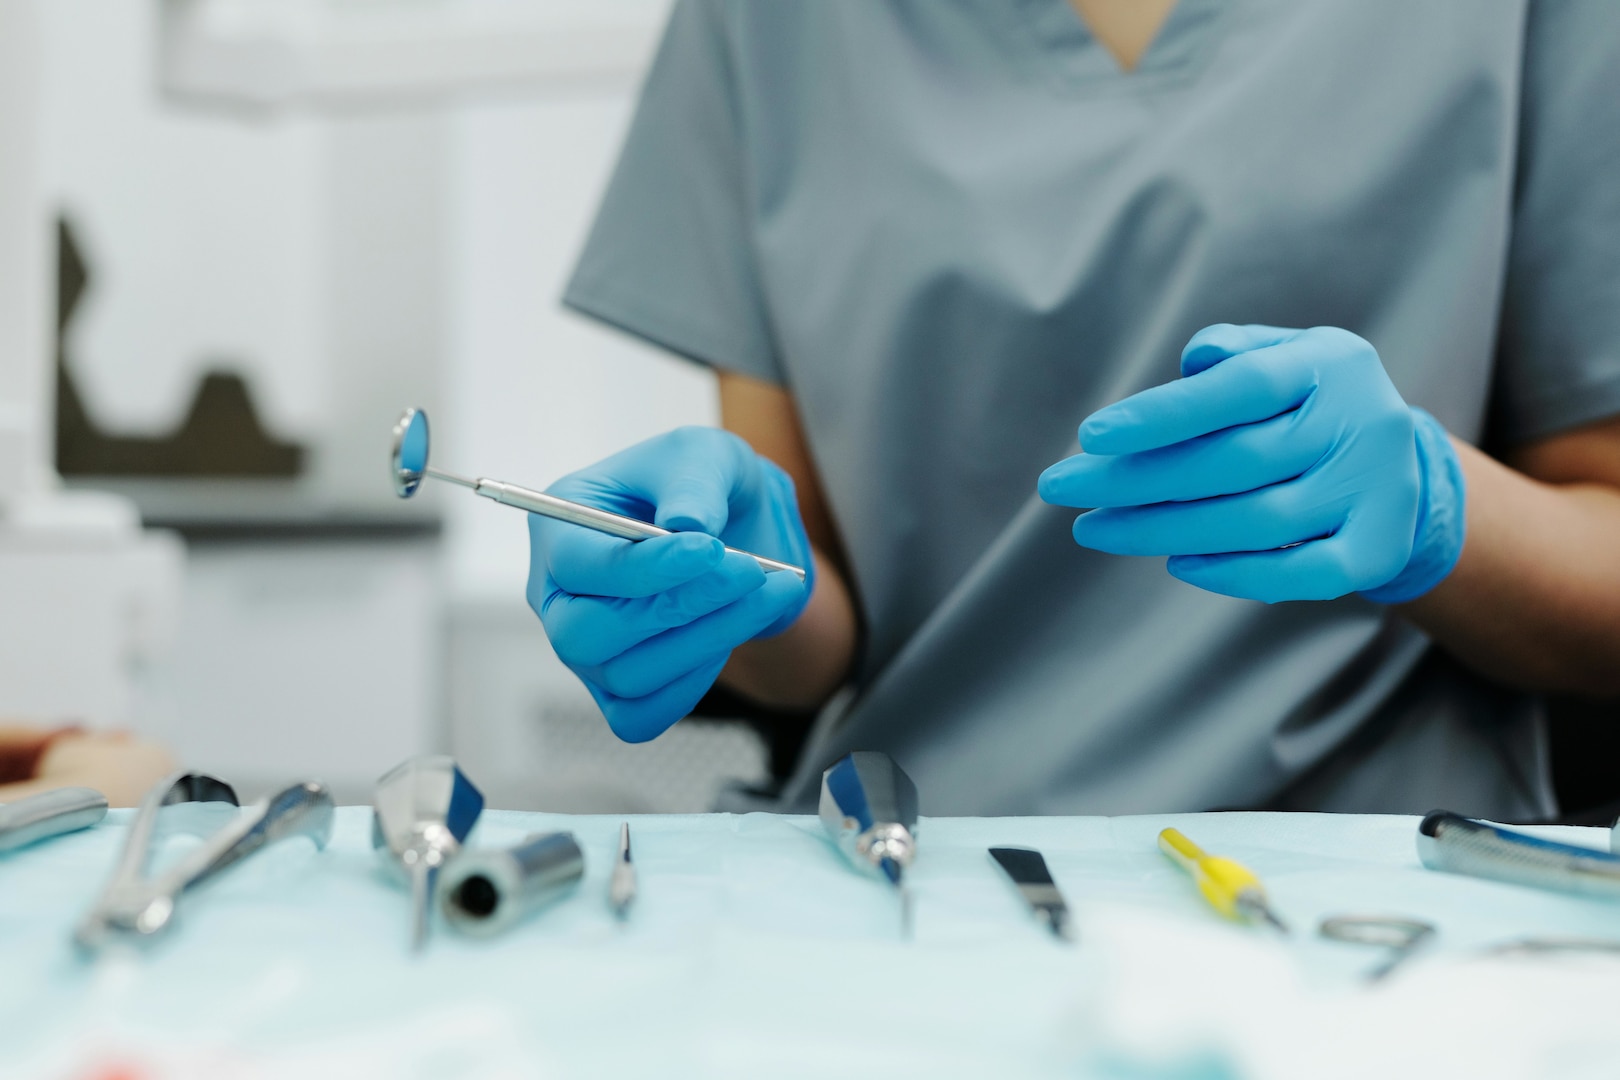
[1461, 845]
[409, 454]
[408, 461]
[1027, 869]
[622, 882]
[137, 905]
[1402, 936]
[1550, 946]
[487, 891]
[869, 807]
[50, 813]
[423, 810]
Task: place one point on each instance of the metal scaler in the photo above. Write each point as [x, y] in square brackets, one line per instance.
[49, 814]
[1460, 845]
[869, 806]
[622, 882]
[487, 891]
[137, 907]
[423, 810]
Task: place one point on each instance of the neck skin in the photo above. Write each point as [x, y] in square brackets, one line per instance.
[1126, 28]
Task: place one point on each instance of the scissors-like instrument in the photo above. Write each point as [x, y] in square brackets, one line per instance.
[137, 905]
[1402, 936]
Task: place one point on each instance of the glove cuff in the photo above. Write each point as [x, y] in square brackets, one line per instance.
[1438, 540]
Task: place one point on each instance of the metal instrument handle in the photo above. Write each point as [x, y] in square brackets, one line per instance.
[50, 813]
[603, 521]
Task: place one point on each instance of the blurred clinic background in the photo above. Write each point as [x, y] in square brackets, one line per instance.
[236, 238]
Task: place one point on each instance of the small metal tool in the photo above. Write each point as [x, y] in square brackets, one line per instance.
[869, 806]
[1555, 946]
[487, 891]
[409, 461]
[423, 810]
[134, 907]
[1460, 845]
[1230, 888]
[50, 813]
[622, 881]
[1403, 937]
[1028, 871]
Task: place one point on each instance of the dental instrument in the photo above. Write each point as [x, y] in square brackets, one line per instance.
[409, 463]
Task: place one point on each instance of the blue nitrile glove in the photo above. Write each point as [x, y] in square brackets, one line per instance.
[648, 625]
[1283, 465]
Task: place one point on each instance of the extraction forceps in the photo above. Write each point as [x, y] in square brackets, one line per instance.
[135, 906]
[50, 813]
[409, 463]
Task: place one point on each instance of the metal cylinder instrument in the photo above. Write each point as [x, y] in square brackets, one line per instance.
[487, 891]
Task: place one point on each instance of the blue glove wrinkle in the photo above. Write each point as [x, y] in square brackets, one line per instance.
[590, 563]
[638, 720]
[590, 630]
[1442, 523]
[666, 657]
[1251, 456]
[1243, 389]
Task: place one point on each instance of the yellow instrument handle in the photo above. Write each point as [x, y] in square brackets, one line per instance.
[1222, 881]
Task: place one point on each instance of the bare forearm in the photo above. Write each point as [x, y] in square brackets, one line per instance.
[1535, 598]
[804, 665]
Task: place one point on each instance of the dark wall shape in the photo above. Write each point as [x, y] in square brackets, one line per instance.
[221, 435]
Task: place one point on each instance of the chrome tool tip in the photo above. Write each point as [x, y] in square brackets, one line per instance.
[1254, 908]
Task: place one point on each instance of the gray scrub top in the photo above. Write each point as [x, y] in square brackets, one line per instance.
[953, 228]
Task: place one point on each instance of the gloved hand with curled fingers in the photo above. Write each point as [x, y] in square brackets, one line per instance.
[648, 625]
[1283, 465]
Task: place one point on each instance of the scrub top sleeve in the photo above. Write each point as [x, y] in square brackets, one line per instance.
[670, 257]
[1559, 361]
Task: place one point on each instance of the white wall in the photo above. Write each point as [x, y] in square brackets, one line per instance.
[533, 391]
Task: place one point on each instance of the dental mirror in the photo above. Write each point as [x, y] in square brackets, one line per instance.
[410, 452]
[409, 464]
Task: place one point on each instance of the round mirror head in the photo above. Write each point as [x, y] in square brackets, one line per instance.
[410, 455]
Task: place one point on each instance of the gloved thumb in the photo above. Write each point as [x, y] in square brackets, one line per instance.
[1215, 343]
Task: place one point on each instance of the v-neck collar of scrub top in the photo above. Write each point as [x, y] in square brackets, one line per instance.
[1078, 61]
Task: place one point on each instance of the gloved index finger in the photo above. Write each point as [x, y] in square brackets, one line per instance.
[1243, 389]
[588, 563]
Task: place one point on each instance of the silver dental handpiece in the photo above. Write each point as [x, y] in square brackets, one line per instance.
[1461, 845]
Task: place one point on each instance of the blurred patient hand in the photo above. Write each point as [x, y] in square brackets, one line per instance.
[647, 626]
[1283, 465]
[117, 764]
